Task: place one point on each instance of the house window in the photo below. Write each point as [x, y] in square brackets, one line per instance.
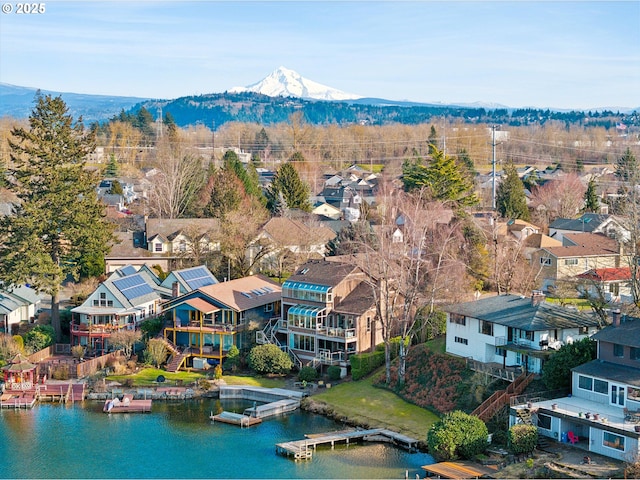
[501, 352]
[461, 340]
[157, 247]
[368, 324]
[600, 386]
[612, 440]
[545, 261]
[183, 246]
[634, 353]
[457, 318]
[618, 350]
[544, 421]
[571, 261]
[268, 307]
[303, 342]
[614, 289]
[486, 328]
[585, 383]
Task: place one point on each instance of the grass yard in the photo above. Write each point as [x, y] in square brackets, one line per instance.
[147, 377]
[363, 403]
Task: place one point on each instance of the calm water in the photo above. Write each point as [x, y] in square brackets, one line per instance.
[177, 440]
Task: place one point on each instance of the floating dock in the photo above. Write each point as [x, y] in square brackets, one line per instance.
[236, 419]
[17, 400]
[126, 405]
[273, 408]
[303, 449]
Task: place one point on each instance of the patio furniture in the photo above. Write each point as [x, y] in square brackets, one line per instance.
[632, 416]
[573, 438]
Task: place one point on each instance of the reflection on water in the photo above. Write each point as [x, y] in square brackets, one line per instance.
[177, 440]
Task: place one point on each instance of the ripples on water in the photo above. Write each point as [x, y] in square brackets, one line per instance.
[177, 440]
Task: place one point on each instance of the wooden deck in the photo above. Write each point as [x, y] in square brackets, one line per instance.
[236, 419]
[17, 400]
[459, 470]
[127, 405]
[303, 449]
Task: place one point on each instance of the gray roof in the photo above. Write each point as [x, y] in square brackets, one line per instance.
[519, 312]
[627, 333]
[610, 371]
[588, 222]
[322, 272]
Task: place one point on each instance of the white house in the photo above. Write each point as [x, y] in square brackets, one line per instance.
[602, 414]
[512, 330]
[18, 304]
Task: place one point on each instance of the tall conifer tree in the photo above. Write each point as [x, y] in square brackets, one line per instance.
[511, 201]
[59, 224]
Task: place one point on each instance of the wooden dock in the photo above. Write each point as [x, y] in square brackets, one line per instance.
[126, 405]
[236, 419]
[273, 408]
[303, 449]
[15, 400]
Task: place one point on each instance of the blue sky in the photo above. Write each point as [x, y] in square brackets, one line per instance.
[579, 54]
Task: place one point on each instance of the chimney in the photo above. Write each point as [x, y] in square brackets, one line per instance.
[537, 297]
[616, 317]
[175, 291]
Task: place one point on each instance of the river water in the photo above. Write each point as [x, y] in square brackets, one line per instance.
[177, 440]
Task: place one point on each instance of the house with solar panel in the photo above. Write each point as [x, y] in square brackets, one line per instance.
[206, 322]
[328, 314]
[121, 302]
[186, 280]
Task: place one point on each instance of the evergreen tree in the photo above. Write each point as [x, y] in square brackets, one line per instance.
[591, 202]
[432, 140]
[295, 191]
[511, 201]
[627, 168]
[112, 167]
[248, 176]
[59, 226]
[442, 177]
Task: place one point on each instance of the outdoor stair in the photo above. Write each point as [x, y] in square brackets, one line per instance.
[176, 362]
[501, 398]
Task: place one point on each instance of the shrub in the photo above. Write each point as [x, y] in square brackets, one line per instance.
[217, 372]
[39, 337]
[61, 372]
[77, 351]
[363, 364]
[233, 358]
[334, 372]
[269, 359]
[556, 372]
[522, 438]
[455, 435]
[307, 374]
[204, 384]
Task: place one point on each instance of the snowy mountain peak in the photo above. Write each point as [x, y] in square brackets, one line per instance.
[287, 83]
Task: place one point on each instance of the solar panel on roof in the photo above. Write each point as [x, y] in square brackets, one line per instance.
[133, 286]
[128, 270]
[200, 282]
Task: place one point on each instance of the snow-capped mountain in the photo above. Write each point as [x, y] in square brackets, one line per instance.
[287, 83]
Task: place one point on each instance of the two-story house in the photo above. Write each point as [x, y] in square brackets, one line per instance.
[186, 280]
[182, 236]
[605, 224]
[602, 414]
[612, 284]
[513, 331]
[122, 301]
[206, 322]
[580, 252]
[328, 313]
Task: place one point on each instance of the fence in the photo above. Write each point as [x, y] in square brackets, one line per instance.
[91, 366]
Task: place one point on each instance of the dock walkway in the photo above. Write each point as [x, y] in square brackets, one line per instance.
[303, 449]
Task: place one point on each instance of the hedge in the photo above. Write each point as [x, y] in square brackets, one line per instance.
[363, 364]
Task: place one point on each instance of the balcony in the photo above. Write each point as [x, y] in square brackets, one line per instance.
[601, 415]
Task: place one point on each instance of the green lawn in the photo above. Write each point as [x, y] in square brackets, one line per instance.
[363, 403]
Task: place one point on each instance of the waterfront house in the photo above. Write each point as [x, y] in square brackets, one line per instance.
[328, 313]
[513, 330]
[602, 414]
[17, 304]
[125, 299]
[207, 321]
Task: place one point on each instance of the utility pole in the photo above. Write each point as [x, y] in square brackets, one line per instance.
[493, 163]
